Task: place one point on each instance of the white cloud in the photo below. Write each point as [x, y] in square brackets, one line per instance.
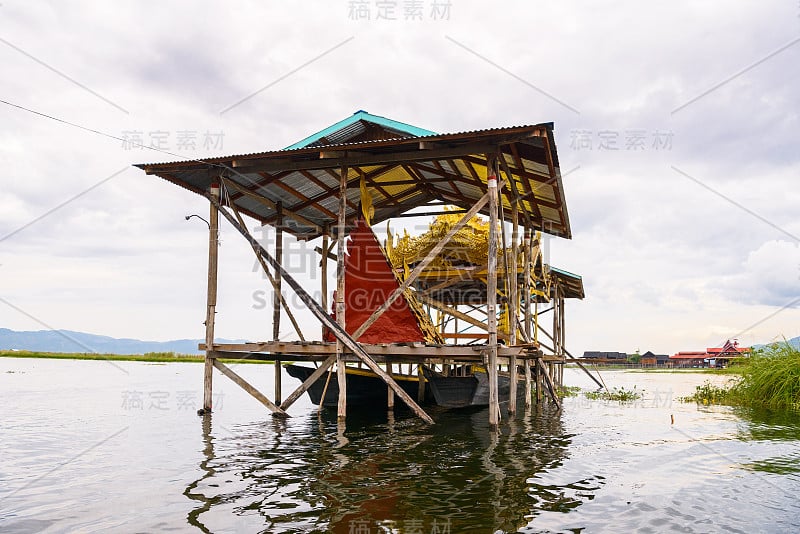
[661, 255]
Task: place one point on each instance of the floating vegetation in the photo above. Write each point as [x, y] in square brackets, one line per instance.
[619, 394]
[708, 393]
[771, 380]
[569, 391]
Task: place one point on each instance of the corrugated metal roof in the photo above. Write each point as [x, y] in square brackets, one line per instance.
[401, 174]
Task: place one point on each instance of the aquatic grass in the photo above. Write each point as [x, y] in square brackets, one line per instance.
[770, 380]
[709, 393]
[619, 394]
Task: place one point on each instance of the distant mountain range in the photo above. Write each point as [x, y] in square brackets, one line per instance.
[69, 341]
[795, 342]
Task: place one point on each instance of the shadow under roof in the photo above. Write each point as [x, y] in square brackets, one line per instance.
[402, 170]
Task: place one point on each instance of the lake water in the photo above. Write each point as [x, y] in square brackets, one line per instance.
[99, 447]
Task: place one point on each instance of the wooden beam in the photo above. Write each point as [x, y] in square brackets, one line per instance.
[407, 352]
[245, 385]
[420, 267]
[491, 294]
[323, 283]
[270, 165]
[324, 318]
[276, 298]
[340, 289]
[318, 372]
[513, 303]
[211, 296]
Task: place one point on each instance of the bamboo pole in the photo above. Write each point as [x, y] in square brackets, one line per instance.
[513, 301]
[340, 289]
[420, 384]
[491, 292]
[276, 297]
[323, 264]
[390, 391]
[526, 289]
[211, 299]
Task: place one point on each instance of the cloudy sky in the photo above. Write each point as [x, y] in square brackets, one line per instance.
[676, 124]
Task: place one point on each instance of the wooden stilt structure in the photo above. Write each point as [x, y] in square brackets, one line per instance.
[304, 192]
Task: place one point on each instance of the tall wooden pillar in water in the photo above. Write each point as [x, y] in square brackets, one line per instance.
[276, 298]
[340, 318]
[526, 289]
[513, 304]
[491, 293]
[211, 299]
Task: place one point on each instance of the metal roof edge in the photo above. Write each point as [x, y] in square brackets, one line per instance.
[355, 117]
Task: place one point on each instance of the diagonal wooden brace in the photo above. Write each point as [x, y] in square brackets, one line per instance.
[245, 385]
[296, 394]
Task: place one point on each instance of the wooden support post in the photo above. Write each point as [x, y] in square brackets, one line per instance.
[421, 384]
[513, 305]
[211, 299]
[526, 290]
[323, 264]
[539, 367]
[245, 385]
[491, 293]
[528, 390]
[340, 317]
[563, 341]
[390, 394]
[276, 297]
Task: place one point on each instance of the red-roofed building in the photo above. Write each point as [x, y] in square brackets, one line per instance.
[712, 357]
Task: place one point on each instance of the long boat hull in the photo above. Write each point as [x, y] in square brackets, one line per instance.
[364, 388]
[466, 391]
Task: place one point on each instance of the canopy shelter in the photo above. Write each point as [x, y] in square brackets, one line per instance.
[374, 167]
[403, 167]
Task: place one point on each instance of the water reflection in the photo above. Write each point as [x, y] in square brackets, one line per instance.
[206, 466]
[780, 431]
[383, 473]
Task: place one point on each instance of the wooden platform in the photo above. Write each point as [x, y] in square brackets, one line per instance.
[304, 351]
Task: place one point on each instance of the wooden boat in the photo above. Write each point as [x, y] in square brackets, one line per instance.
[364, 388]
[467, 388]
[472, 389]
